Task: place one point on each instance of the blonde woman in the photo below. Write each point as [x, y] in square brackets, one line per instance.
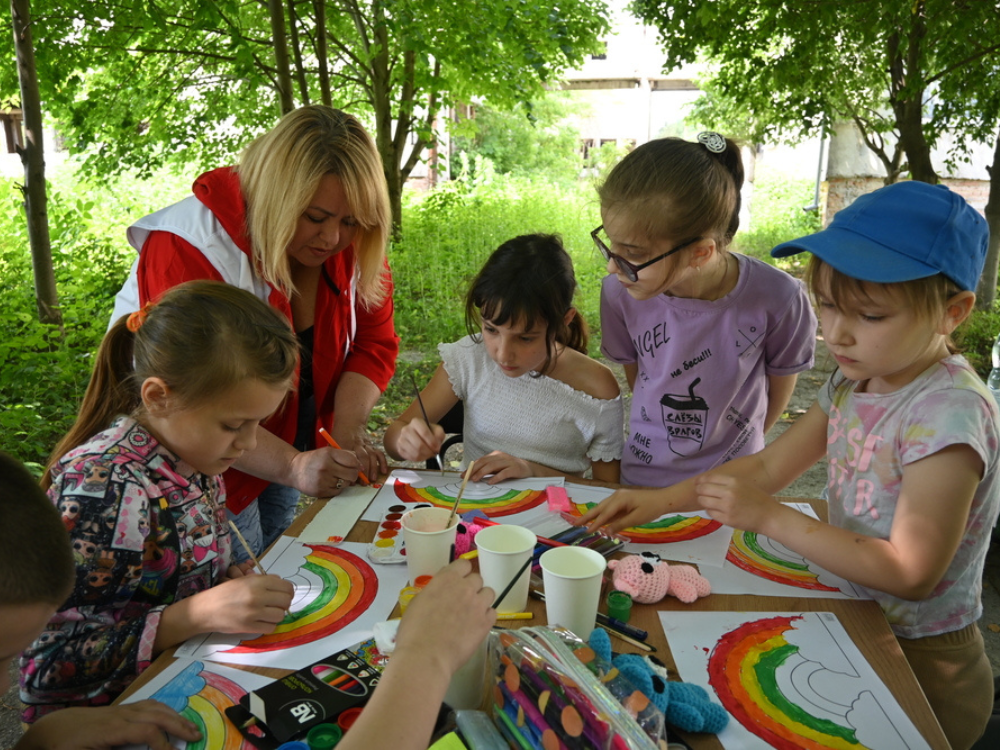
[302, 222]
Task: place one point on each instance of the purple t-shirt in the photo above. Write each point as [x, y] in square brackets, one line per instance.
[701, 387]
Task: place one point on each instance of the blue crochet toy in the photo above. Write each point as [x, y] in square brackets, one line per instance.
[686, 706]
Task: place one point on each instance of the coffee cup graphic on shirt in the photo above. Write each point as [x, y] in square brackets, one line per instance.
[685, 416]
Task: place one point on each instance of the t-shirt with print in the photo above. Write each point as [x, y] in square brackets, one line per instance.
[700, 393]
[872, 437]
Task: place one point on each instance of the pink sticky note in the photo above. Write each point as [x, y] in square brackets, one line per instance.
[558, 499]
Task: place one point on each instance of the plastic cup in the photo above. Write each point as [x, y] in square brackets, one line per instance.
[467, 689]
[503, 550]
[428, 543]
[619, 605]
[572, 577]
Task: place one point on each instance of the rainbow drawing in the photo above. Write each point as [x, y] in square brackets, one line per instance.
[202, 696]
[759, 556]
[490, 499]
[666, 530]
[344, 586]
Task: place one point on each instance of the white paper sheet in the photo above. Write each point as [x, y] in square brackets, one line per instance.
[787, 674]
[339, 596]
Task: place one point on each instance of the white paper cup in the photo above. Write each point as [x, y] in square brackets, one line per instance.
[428, 542]
[503, 550]
[467, 689]
[572, 577]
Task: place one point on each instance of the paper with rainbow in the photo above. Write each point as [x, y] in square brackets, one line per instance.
[338, 599]
[505, 501]
[758, 565]
[201, 692]
[790, 680]
[679, 537]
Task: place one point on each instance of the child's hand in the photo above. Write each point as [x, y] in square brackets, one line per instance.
[734, 502]
[250, 604]
[245, 568]
[417, 441]
[142, 723]
[502, 466]
[622, 509]
[448, 620]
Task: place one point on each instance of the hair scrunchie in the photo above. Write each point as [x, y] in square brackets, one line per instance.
[136, 319]
[712, 141]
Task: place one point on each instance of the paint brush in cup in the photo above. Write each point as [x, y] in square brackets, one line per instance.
[461, 490]
[513, 581]
[423, 411]
[333, 444]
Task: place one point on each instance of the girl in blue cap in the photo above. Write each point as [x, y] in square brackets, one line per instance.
[910, 433]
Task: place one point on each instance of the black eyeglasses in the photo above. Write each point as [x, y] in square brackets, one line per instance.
[631, 270]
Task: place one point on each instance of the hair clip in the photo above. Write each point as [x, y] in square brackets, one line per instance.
[712, 141]
[136, 319]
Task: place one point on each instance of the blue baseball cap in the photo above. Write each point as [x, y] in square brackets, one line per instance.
[904, 231]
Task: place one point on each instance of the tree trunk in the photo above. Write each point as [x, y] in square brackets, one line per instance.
[33, 158]
[986, 292]
[286, 103]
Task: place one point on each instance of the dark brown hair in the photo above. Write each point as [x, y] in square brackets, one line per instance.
[36, 559]
[672, 188]
[201, 337]
[528, 280]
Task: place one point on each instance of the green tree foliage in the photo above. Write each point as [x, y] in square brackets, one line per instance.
[133, 84]
[903, 72]
[531, 138]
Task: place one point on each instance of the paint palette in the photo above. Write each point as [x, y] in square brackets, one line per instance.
[387, 546]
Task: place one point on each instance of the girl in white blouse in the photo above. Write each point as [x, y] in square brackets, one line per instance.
[534, 403]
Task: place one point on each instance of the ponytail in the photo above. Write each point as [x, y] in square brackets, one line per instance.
[110, 392]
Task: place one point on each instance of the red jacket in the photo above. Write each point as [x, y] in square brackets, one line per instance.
[347, 337]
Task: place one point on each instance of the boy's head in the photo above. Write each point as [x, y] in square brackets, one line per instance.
[902, 232]
[36, 561]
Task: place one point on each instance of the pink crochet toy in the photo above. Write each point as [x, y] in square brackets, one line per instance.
[647, 579]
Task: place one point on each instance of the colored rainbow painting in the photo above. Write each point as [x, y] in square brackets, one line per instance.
[337, 601]
[681, 527]
[759, 556]
[339, 586]
[790, 681]
[493, 500]
[201, 694]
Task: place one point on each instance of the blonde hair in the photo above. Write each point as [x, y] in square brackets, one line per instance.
[927, 297]
[679, 189]
[201, 337]
[279, 174]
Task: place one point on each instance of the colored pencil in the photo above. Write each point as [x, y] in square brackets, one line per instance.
[423, 411]
[461, 490]
[542, 539]
[514, 615]
[333, 444]
[246, 547]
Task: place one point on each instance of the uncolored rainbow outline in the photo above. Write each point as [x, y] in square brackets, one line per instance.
[510, 502]
[349, 588]
[742, 669]
[746, 554]
[206, 709]
[666, 530]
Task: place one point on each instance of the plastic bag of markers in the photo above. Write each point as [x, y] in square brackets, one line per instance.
[548, 685]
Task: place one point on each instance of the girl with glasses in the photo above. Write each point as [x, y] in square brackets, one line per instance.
[711, 342]
[534, 403]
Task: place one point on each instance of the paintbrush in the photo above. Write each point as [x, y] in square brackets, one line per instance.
[423, 411]
[333, 444]
[256, 562]
[465, 480]
[510, 585]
